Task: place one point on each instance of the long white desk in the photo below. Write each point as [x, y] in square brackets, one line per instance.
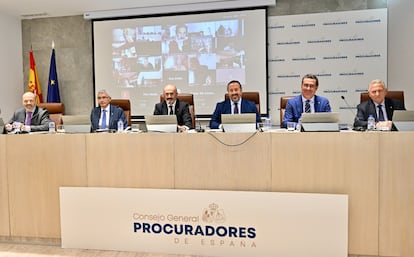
[374, 169]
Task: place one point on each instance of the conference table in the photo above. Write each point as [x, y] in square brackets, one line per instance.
[376, 170]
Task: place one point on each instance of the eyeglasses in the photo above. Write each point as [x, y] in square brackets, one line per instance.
[102, 97]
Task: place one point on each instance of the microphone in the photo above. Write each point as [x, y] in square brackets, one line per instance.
[199, 129]
[348, 105]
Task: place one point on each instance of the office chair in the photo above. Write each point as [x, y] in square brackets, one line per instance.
[251, 96]
[283, 103]
[188, 98]
[56, 111]
[399, 95]
[125, 104]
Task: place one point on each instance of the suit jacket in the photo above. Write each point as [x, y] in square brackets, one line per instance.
[368, 107]
[225, 108]
[115, 114]
[294, 108]
[182, 111]
[39, 122]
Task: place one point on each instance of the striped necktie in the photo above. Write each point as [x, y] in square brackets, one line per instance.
[307, 106]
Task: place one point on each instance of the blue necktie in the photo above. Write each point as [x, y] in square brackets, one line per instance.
[103, 125]
[380, 113]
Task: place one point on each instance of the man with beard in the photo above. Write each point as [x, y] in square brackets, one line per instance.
[173, 106]
[234, 105]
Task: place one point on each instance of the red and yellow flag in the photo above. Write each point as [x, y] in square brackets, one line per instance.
[34, 85]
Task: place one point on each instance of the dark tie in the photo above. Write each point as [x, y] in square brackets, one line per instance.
[307, 106]
[236, 109]
[171, 110]
[380, 113]
[28, 118]
[103, 125]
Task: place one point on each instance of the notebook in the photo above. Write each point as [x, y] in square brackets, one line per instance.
[161, 123]
[245, 122]
[76, 123]
[320, 121]
[403, 120]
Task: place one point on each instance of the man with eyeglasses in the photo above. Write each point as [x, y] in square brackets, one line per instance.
[106, 116]
[305, 102]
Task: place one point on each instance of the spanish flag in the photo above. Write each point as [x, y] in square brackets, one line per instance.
[34, 85]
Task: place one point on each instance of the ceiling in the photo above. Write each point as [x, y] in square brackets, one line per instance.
[29, 9]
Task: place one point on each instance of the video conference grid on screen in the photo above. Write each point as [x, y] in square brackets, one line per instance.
[199, 54]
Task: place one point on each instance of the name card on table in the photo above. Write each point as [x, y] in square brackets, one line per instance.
[203, 222]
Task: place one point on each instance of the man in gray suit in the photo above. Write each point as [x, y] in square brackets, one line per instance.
[30, 117]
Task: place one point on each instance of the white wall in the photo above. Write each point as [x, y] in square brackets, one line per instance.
[401, 48]
[11, 63]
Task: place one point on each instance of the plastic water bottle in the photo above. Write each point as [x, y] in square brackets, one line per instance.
[299, 124]
[268, 123]
[371, 122]
[120, 126]
[52, 127]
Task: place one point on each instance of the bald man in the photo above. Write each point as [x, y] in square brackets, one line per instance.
[172, 106]
[29, 118]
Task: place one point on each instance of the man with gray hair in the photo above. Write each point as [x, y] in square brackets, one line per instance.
[106, 116]
[379, 106]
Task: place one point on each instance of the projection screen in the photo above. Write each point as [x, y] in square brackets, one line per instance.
[200, 53]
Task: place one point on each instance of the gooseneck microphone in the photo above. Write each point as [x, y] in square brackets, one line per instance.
[199, 129]
[348, 105]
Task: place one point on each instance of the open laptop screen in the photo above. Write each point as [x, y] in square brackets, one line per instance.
[245, 122]
[403, 120]
[320, 121]
[161, 123]
[320, 117]
[76, 123]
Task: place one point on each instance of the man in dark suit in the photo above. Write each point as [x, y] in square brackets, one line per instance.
[30, 117]
[305, 102]
[173, 106]
[106, 115]
[235, 104]
[381, 107]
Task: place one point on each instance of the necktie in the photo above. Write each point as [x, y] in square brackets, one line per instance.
[171, 110]
[236, 109]
[28, 118]
[307, 106]
[103, 125]
[380, 113]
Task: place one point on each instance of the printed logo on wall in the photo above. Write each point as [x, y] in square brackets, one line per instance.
[346, 50]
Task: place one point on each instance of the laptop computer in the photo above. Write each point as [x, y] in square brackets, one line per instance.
[161, 123]
[76, 124]
[403, 120]
[245, 122]
[320, 121]
[2, 131]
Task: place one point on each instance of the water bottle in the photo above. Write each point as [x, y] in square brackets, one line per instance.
[52, 127]
[120, 126]
[371, 122]
[299, 124]
[268, 124]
